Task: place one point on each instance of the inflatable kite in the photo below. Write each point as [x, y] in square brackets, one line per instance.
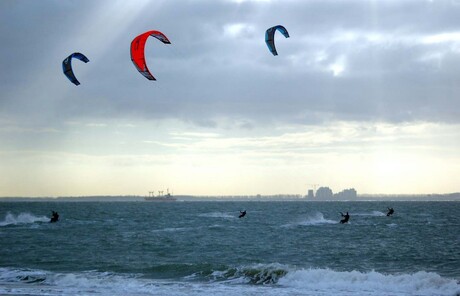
[137, 51]
[270, 37]
[67, 66]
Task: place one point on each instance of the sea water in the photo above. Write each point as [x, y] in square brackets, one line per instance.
[203, 248]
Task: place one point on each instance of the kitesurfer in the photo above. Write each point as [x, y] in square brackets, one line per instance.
[390, 212]
[54, 217]
[242, 214]
[345, 219]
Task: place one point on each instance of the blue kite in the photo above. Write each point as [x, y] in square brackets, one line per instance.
[270, 37]
[67, 66]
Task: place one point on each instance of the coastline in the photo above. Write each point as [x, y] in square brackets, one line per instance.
[260, 198]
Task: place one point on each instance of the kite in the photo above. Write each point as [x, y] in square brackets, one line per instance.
[67, 66]
[270, 37]
[137, 51]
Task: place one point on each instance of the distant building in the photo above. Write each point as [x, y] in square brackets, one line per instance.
[346, 194]
[324, 193]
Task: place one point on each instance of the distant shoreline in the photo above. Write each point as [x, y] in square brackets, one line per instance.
[261, 198]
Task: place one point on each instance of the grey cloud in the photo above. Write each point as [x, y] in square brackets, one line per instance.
[205, 75]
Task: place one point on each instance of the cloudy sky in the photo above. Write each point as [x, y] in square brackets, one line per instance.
[363, 94]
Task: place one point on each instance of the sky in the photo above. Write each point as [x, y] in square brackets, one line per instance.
[364, 95]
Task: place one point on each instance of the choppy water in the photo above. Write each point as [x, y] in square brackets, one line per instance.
[202, 248]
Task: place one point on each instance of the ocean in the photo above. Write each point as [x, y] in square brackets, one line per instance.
[203, 248]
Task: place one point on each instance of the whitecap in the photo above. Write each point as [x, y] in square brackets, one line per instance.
[217, 215]
[372, 214]
[370, 283]
[313, 219]
[22, 218]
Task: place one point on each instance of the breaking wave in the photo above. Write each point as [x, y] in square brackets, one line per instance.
[357, 283]
[328, 282]
[253, 274]
[273, 279]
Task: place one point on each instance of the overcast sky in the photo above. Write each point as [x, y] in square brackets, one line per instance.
[363, 94]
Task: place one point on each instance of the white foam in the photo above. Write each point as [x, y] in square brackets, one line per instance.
[306, 282]
[218, 215]
[329, 282]
[313, 219]
[174, 229]
[94, 283]
[372, 214]
[22, 218]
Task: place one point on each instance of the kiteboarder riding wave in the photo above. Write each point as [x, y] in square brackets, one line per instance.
[54, 217]
[345, 219]
[390, 212]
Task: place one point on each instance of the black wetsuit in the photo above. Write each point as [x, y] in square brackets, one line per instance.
[390, 212]
[345, 219]
[54, 217]
[242, 214]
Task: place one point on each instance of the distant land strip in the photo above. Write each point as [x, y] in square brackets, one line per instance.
[277, 197]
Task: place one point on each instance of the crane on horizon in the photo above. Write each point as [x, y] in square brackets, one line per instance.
[314, 186]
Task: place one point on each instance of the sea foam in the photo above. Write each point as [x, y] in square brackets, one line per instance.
[22, 218]
[329, 282]
[372, 214]
[312, 219]
[218, 215]
[257, 279]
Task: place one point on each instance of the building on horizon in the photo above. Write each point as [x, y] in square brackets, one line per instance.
[325, 193]
[346, 194]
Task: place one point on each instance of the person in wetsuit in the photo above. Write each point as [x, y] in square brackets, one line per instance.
[345, 219]
[242, 214]
[54, 217]
[390, 212]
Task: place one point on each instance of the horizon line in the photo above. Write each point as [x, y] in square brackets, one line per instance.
[239, 195]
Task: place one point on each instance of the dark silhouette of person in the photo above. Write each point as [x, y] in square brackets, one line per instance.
[390, 212]
[345, 219]
[54, 217]
[242, 214]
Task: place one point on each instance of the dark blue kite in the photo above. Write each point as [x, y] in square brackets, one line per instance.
[270, 37]
[67, 66]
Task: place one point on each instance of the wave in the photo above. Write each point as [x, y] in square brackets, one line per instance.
[218, 215]
[18, 282]
[354, 282]
[174, 229]
[372, 214]
[330, 282]
[22, 218]
[256, 279]
[313, 219]
[252, 274]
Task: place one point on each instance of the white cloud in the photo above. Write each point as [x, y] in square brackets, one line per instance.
[238, 30]
[338, 66]
[451, 37]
